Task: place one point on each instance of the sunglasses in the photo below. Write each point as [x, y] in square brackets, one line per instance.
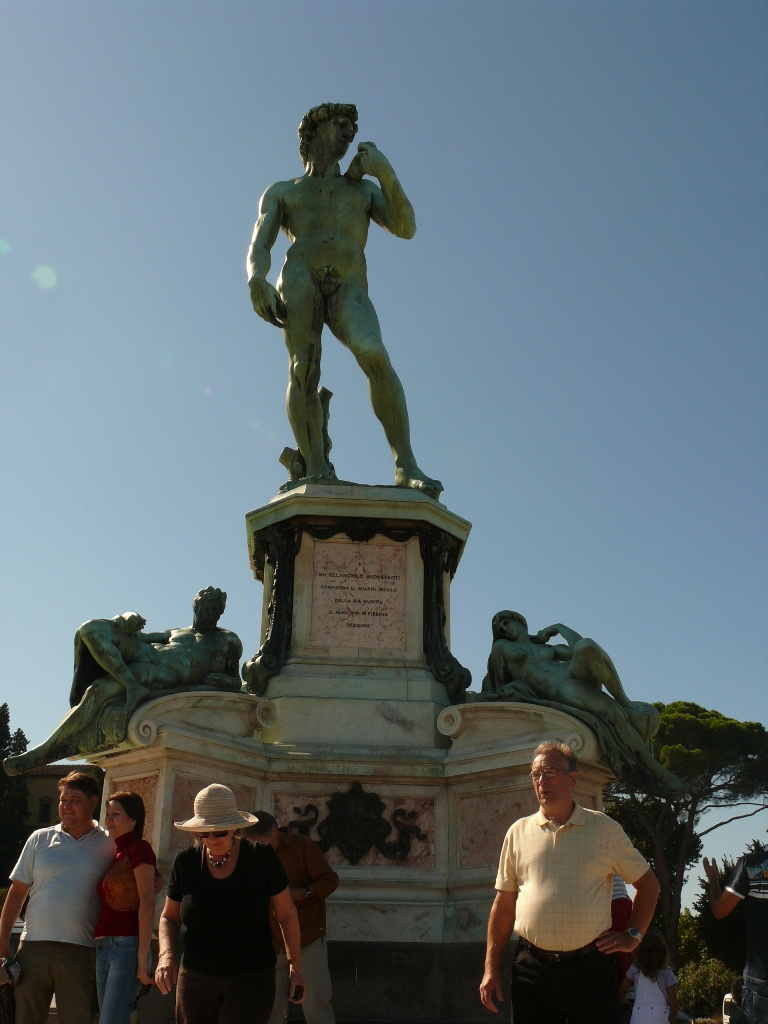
[213, 835]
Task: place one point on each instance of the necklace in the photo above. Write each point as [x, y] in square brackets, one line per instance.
[223, 860]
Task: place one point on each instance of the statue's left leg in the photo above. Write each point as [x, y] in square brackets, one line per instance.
[592, 664]
[97, 635]
[354, 322]
[77, 733]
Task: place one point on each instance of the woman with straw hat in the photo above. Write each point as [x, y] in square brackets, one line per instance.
[222, 890]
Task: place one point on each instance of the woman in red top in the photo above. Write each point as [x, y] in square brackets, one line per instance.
[124, 930]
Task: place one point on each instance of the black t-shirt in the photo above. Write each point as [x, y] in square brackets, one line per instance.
[227, 919]
[750, 881]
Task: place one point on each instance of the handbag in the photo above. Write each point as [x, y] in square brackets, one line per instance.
[7, 999]
[7, 1005]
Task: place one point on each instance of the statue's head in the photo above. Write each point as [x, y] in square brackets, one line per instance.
[208, 607]
[502, 625]
[345, 114]
[130, 622]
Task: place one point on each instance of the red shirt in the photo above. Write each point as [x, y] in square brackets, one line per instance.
[117, 889]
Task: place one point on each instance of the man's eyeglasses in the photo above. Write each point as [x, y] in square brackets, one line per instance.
[549, 773]
[214, 835]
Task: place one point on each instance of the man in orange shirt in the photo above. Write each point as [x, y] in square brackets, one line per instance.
[310, 879]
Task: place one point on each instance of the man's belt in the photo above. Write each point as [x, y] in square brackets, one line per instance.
[554, 955]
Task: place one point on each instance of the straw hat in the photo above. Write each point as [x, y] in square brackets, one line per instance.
[215, 809]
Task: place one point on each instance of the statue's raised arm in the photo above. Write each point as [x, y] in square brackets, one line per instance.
[390, 206]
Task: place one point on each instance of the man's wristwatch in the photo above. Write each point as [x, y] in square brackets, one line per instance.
[635, 934]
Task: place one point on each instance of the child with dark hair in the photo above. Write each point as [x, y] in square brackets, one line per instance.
[655, 984]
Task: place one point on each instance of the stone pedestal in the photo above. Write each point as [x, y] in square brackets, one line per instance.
[356, 608]
[352, 734]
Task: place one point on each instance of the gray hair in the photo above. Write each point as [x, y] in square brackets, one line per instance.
[556, 747]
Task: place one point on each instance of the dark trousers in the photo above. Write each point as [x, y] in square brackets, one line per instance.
[577, 990]
[232, 999]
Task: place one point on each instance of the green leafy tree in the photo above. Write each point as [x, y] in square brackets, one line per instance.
[702, 985]
[724, 763]
[690, 945]
[13, 797]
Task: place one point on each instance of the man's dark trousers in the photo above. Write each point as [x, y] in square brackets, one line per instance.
[574, 990]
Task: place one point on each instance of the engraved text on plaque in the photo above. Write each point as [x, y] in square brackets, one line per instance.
[358, 595]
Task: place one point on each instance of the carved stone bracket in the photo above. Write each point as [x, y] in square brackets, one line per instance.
[354, 824]
[440, 554]
[280, 544]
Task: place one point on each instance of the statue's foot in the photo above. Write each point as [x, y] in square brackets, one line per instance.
[134, 695]
[644, 718]
[19, 763]
[418, 481]
[327, 477]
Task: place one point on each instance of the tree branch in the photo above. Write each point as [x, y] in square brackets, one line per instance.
[736, 817]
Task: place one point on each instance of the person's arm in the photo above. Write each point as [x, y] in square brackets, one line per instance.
[168, 930]
[624, 987]
[14, 901]
[266, 302]
[722, 903]
[323, 879]
[570, 636]
[390, 207]
[285, 913]
[674, 1005]
[162, 637]
[234, 654]
[647, 890]
[229, 677]
[501, 924]
[145, 884]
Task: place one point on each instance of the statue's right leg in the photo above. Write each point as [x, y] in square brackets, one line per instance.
[591, 664]
[76, 733]
[95, 634]
[302, 329]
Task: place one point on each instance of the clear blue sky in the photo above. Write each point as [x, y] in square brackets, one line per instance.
[580, 321]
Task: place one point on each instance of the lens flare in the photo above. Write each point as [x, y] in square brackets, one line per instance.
[44, 277]
[207, 392]
[5, 246]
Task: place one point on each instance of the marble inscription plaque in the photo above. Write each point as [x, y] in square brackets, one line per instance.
[358, 595]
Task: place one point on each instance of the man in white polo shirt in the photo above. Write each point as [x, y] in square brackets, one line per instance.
[554, 889]
[59, 868]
